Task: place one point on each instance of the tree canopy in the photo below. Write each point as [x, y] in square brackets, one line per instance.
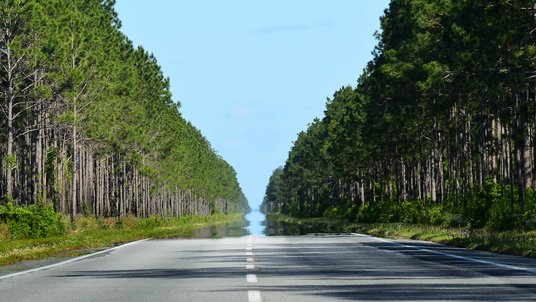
[444, 115]
[90, 121]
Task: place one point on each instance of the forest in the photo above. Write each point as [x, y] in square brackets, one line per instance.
[440, 128]
[90, 125]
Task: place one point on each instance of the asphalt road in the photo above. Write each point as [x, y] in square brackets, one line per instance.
[305, 268]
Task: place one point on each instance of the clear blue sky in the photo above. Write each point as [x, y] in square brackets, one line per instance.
[252, 74]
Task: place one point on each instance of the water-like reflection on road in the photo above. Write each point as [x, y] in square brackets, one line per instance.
[253, 224]
[281, 228]
[256, 223]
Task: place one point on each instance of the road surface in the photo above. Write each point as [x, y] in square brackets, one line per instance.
[302, 268]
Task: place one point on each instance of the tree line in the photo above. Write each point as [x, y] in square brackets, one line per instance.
[89, 122]
[443, 117]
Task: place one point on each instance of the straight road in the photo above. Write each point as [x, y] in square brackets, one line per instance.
[304, 268]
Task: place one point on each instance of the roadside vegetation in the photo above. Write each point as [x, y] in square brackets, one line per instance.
[512, 242]
[89, 124]
[90, 131]
[437, 136]
[37, 232]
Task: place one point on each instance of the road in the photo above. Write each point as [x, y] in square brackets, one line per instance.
[303, 268]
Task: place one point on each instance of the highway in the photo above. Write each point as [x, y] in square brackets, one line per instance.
[348, 267]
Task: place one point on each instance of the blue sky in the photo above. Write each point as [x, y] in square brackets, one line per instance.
[251, 74]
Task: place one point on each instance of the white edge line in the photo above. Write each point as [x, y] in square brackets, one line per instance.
[518, 268]
[69, 260]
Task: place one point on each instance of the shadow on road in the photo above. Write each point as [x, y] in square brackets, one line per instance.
[352, 269]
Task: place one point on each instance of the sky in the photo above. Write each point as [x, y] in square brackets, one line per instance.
[252, 74]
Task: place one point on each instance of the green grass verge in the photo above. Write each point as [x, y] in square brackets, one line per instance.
[89, 234]
[508, 242]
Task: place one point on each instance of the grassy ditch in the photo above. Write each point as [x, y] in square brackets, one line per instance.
[89, 234]
[506, 242]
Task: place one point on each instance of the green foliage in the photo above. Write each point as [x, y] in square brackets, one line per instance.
[34, 221]
[489, 207]
[372, 212]
[151, 222]
[332, 213]
[436, 215]
[9, 159]
[97, 233]
[436, 130]
[88, 77]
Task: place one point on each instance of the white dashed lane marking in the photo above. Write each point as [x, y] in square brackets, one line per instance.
[254, 296]
[251, 278]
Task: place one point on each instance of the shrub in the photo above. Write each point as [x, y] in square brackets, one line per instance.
[34, 221]
[501, 216]
[435, 215]
[479, 203]
[151, 222]
[369, 213]
[411, 212]
[332, 213]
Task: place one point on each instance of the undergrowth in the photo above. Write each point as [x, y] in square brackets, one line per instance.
[89, 233]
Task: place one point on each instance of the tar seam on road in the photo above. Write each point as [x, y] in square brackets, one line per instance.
[69, 261]
[512, 267]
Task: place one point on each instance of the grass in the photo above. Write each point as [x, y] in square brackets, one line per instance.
[521, 243]
[89, 234]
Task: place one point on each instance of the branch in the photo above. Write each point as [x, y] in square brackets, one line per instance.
[16, 63]
[25, 109]
[37, 127]
[80, 92]
[86, 104]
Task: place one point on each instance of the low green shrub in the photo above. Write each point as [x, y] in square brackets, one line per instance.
[411, 212]
[370, 212]
[455, 220]
[436, 215]
[151, 222]
[34, 221]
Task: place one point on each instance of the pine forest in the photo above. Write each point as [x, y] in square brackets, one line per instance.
[440, 128]
[89, 122]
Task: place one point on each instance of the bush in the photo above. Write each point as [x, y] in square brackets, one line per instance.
[435, 215]
[412, 212]
[455, 220]
[151, 222]
[501, 216]
[370, 213]
[479, 204]
[332, 213]
[34, 221]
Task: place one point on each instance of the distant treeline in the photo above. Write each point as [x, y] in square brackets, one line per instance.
[89, 123]
[443, 117]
